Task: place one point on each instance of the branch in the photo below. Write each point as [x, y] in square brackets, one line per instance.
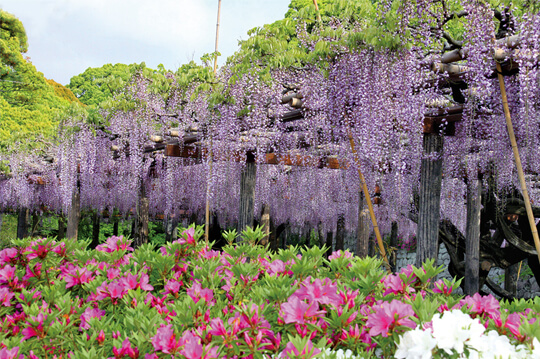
[451, 41]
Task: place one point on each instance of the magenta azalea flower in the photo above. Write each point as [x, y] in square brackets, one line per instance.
[7, 275]
[319, 291]
[165, 340]
[76, 276]
[88, 314]
[114, 244]
[8, 255]
[387, 316]
[479, 305]
[6, 353]
[197, 293]
[5, 296]
[298, 311]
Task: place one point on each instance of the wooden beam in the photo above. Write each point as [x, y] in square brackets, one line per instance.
[248, 181]
[74, 215]
[22, 223]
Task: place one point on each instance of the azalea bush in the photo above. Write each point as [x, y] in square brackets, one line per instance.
[185, 300]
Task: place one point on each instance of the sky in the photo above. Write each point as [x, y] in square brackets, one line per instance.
[65, 37]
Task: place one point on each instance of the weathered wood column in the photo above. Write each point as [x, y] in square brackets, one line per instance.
[430, 198]
[142, 218]
[74, 215]
[248, 180]
[329, 240]
[362, 231]
[171, 224]
[265, 222]
[61, 227]
[510, 278]
[340, 233]
[22, 223]
[472, 237]
[95, 230]
[394, 247]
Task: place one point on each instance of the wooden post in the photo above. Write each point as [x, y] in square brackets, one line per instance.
[511, 277]
[95, 230]
[247, 194]
[22, 223]
[317, 10]
[340, 233]
[141, 222]
[171, 224]
[362, 231]
[429, 198]
[393, 246]
[472, 237]
[329, 240]
[61, 227]
[367, 198]
[115, 227]
[35, 224]
[517, 158]
[74, 215]
[217, 35]
[265, 222]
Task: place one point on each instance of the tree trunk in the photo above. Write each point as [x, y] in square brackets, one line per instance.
[247, 196]
[22, 223]
[1, 218]
[61, 227]
[141, 220]
[95, 230]
[472, 237]
[510, 278]
[362, 231]
[430, 199]
[265, 222]
[340, 233]
[74, 215]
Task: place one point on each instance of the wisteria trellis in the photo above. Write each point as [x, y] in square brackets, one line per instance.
[379, 94]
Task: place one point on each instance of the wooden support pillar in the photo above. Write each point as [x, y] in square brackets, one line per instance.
[265, 222]
[74, 215]
[340, 233]
[171, 224]
[22, 223]
[362, 231]
[142, 218]
[61, 227]
[430, 198]
[35, 224]
[329, 240]
[393, 245]
[247, 194]
[95, 230]
[510, 278]
[472, 237]
[115, 227]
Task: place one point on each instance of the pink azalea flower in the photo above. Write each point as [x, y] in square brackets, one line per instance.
[126, 349]
[193, 348]
[38, 250]
[165, 340]
[387, 316]
[5, 296]
[340, 254]
[36, 327]
[196, 292]
[76, 276]
[8, 256]
[441, 287]
[113, 244]
[319, 291]
[298, 311]
[480, 305]
[7, 275]
[217, 327]
[6, 353]
[88, 314]
[113, 273]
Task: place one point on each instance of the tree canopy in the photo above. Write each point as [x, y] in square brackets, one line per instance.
[31, 106]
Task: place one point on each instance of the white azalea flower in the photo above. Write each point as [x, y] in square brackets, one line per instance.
[416, 344]
[453, 329]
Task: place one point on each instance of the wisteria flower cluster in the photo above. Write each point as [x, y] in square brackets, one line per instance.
[185, 300]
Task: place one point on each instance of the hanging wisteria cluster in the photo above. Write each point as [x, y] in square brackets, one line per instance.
[379, 97]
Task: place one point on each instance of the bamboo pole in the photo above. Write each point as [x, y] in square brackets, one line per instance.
[318, 12]
[517, 158]
[207, 209]
[368, 200]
